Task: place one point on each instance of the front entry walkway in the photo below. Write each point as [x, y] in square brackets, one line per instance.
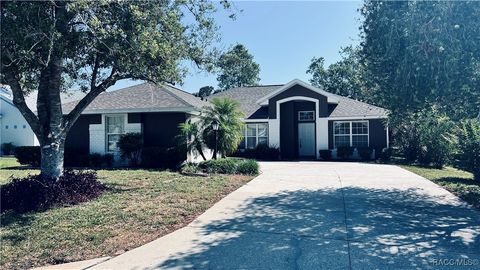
[315, 215]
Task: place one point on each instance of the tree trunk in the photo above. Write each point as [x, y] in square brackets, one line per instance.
[199, 149]
[51, 165]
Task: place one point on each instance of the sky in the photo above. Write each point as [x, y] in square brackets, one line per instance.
[283, 37]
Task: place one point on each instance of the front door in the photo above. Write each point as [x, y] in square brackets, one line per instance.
[306, 139]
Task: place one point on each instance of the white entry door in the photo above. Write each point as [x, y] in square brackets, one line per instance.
[306, 139]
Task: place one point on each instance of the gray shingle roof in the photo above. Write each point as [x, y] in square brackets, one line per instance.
[142, 97]
[248, 96]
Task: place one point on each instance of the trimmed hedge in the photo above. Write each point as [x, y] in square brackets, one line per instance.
[344, 152]
[36, 193]
[230, 166]
[162, 158]
[261, 152]
[72, 159]
[28, 155]
[365, 153]
[326, 154]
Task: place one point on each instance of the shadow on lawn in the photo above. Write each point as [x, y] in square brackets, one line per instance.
[309, 230]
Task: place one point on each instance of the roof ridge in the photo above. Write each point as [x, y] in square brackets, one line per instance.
[177, 97]
[250, 86]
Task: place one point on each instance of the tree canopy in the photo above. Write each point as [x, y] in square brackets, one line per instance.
[344, 77]
[205, 91]
[237, 68]
[51, 46]
[418, 54]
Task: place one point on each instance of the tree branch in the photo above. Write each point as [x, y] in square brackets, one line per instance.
[70, 119]
[11, 77]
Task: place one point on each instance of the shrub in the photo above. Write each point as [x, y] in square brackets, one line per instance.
[28, 155]
[248, 167]
[469, 146]
[35, 192]
[130, 145]
[265, 152]
[8, 148]
[230, 166]
[261, 152]
[162, 158]
[383, 154]
[72, 159]
[437, 141]
[365, 153]
[190, 168]
[222, 165]
[426, 136]
[326, 154]
[344, 152]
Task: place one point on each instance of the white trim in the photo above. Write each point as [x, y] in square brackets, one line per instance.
[351, 132]
[125, 122]
[330, 97]
[245, 134]
[302, 120]
[320, 141]
[356, 117]
[255, 120]
[388, 139]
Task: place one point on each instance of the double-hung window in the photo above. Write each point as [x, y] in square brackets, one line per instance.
[255, 134]
[115, 126]
[350, 133]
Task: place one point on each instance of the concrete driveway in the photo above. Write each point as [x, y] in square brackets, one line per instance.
[322, 215]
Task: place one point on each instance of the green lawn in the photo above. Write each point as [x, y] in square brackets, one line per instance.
[141, 206]
[458, 182]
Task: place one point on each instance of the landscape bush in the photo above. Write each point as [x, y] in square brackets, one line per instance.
[365, 153]
[383, 154]
[469, 146]
[230, 166]
[130, 145]
[248, 167]
[28, 155]
[190, 168]
[437, 139]
[326, 154]
[261, 152]
[8, 148]
[344, 152]
[161, 158]
[36, 193]
[72, 158]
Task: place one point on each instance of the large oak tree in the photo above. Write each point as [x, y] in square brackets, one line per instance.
[50, 46]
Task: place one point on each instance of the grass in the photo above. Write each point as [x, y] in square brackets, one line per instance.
[460, 183]
[140, 207]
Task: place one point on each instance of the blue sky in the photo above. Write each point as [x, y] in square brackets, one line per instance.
[283, 37]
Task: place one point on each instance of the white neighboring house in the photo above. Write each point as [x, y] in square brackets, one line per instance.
[13, 126]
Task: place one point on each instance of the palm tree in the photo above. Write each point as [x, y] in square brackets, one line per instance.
[226, 113]
[190, 138]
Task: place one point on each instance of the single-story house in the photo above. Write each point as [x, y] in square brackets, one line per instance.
[297, 117]
[302, 119]
[14, 128]
[153, 110]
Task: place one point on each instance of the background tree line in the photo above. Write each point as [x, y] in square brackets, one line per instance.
[421, 61]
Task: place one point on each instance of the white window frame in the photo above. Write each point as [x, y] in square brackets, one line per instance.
[306, 120]
[107, 133]
[245, 136]
[351, 131]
